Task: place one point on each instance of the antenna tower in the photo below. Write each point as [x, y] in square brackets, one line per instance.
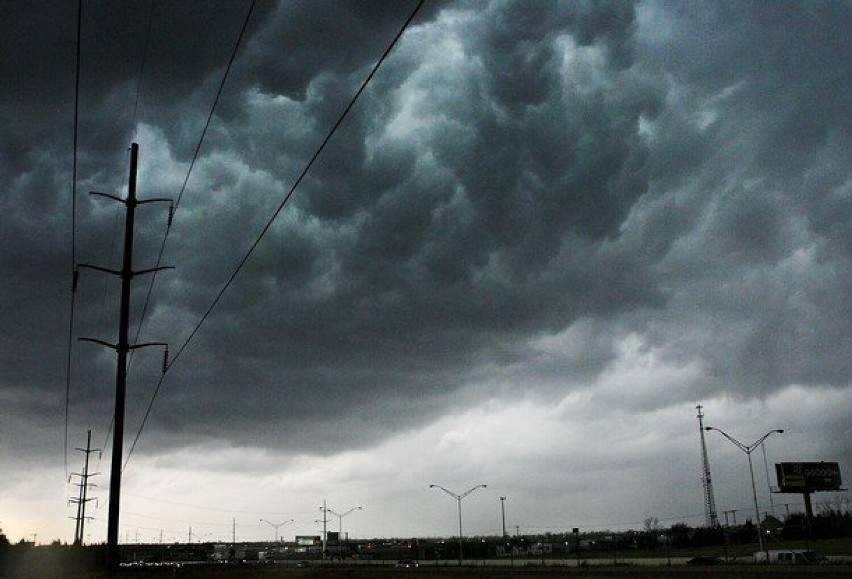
[711, 519]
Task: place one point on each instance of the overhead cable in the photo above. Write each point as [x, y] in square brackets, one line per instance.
[189, 171]
[272, 219]
[73, 231]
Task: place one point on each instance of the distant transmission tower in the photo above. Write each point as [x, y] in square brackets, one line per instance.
[83, 485]
[710, 517]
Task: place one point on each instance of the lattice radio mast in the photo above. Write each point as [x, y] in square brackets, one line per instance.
[710, 517]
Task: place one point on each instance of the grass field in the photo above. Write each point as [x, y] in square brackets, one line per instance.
[365, 572]
[51, 564]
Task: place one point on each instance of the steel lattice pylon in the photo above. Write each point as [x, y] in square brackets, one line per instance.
[710, 517]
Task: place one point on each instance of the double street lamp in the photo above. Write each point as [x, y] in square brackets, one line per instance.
[748, 449]
[340, 520]
[458, 498]
[276, 526]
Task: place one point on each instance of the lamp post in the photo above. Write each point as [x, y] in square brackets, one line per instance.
[458, 498]
[748, 449]
[276, 526]
[340, 520]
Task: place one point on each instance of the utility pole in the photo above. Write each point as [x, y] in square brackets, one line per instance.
[768, 484]
[503, 512]
[82, 498]
[710, 517]
[122, 347]
[324, 509]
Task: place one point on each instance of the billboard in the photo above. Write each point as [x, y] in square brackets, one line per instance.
[308, 540]
[807, 477]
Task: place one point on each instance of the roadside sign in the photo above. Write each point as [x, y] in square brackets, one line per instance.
[807, 477]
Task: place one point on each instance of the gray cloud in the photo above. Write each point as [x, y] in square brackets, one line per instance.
[522, 190]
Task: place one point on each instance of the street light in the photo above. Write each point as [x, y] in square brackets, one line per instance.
[340, 520]
[276, 526]
[748, 449]
[458, 498]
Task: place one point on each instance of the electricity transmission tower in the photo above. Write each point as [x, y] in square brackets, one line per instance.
[710, 517]
[82, 497]
[122, 347]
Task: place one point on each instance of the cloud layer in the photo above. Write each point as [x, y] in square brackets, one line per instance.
[603, 209]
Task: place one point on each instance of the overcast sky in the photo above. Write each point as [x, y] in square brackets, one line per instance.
[543, 234]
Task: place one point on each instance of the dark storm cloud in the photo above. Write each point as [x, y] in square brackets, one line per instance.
[763, 272]
[672, 170]
[301, 41]
[434, 261]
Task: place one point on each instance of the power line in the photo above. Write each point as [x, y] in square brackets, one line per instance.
[139, 77]
[191, 166]
[610, 524]
[73, 231]
[173, 209]
[135, 111]
[271, 220]
[218, 509]
[142, 64]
